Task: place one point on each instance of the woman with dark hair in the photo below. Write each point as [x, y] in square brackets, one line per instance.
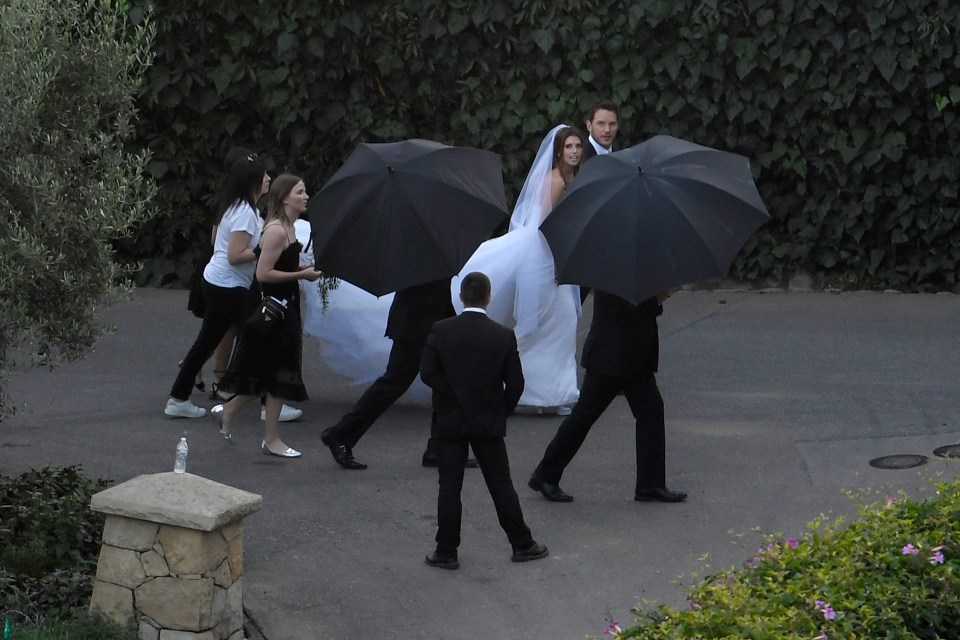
[567, 156]
[268, 363]
[228, 275]
[526, 297]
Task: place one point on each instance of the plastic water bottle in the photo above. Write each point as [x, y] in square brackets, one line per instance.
[180, 466]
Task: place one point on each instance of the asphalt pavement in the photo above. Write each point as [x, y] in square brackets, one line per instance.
[776, 403]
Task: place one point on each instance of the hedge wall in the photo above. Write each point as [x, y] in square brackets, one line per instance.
[847, 109]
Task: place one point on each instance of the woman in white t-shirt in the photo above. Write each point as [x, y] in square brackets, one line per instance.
[228, 275]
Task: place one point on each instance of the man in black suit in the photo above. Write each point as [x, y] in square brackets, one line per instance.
[413, 312]
[602, 126]
[473, 367]
[621, 353]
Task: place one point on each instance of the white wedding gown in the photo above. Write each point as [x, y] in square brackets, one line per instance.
[526, 297]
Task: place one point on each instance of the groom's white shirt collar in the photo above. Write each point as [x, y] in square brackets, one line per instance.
[475, 310]
[600, 149]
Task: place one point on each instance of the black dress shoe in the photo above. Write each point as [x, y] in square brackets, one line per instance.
[551, 492]
[533, 552]
[430, 460]
[661, 494]
[342, 454]
[443, 560]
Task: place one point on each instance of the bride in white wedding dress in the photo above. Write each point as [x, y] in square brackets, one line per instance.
[526, 296]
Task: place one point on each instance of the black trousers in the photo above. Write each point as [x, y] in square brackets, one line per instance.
[596, 394]
[224, 308]
[491, 454]
[402, 369]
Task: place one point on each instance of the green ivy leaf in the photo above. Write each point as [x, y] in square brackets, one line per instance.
[543, 38]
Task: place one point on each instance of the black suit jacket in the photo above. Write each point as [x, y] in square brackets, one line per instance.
[415, 309]
[589, 151]
[473, 366]
[623, 340]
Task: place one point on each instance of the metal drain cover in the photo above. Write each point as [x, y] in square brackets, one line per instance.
[899, 461]
[948, 451]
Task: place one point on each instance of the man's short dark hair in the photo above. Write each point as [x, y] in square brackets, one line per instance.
[475, 289]
[606, 105]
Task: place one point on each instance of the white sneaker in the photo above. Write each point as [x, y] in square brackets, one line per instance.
[564, 411]
[287, 413]
[183, 409]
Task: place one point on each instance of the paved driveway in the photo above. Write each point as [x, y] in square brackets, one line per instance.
[776, 402]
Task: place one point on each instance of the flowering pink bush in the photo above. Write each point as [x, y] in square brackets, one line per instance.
[893, 573]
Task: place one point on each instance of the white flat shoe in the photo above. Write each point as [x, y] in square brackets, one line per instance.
[183, 409]
[287, 413]
[279, 449]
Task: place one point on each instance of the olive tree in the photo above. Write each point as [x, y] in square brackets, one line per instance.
[69, 187]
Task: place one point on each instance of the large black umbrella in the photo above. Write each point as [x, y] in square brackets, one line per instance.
[400, 214]
[652, 217]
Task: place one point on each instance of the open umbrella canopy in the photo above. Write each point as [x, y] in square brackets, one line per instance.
[652, 217]
[400, 214]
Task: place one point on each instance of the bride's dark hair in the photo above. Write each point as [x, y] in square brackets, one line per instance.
[566, 171]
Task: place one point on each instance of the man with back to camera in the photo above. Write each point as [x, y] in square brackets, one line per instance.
[621, 354]
[473, 366]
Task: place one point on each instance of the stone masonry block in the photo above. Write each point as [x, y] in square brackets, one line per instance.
[191, 552]
[113, 601]
[120, 566]
[154, 564]
[235, 551]
[128, 533]
[168, 634]
[177, 604]
[221, 575]
[147, 631]
[233, 612]
[179, 499]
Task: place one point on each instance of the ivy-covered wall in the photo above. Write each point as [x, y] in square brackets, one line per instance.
[847, 109]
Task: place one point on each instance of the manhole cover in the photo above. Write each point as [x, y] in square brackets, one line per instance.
[948, 451]
[898, 461]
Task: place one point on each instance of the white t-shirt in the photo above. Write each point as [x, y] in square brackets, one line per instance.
[240, 217]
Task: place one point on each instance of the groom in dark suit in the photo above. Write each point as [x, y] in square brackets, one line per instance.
[473, 367]
[621, 353]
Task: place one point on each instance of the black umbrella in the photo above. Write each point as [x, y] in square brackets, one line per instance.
[652, 217]
[400, 214]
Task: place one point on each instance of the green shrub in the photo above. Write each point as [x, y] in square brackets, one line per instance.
[893, 573]
[49, 542]
[69, 187]
[847, 110]
[77, 625]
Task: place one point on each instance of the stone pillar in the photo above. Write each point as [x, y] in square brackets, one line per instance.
[172, 556]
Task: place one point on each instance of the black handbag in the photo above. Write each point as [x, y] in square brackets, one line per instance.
[270, 313]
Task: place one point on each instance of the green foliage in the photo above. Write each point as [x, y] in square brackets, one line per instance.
[49, 542]
[77, 625]
[893, 573]
[847, 110]
[68, 187]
